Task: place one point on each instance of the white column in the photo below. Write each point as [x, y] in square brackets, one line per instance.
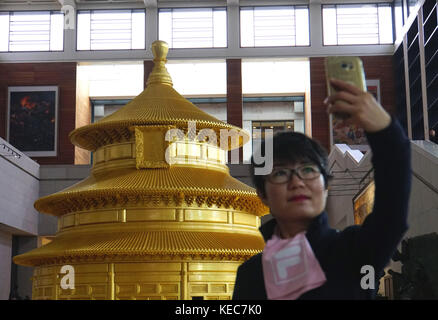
[233, 27]
[151, 24]
[408, 92]
[423, 74]
[315, 19]
[70, 26]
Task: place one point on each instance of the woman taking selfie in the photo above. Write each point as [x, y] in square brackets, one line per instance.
[303, 257]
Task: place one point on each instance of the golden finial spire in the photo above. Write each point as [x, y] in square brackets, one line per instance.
[159, 73]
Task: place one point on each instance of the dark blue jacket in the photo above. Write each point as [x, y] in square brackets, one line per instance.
[342, 254]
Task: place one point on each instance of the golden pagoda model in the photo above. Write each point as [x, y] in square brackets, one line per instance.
[143, 227]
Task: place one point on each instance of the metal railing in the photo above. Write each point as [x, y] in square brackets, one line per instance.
[9, 152]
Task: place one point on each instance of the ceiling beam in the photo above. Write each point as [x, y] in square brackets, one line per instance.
[233, 3]
[150, 3]
[67, 3]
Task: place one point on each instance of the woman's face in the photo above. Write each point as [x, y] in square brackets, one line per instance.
[296, 200]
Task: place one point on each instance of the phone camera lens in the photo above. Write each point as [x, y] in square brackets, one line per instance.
[347, 66]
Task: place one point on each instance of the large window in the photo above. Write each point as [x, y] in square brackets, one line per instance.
[193, 28]
[199, 77]
[357, 24]
[113, 84]
[274, 26]
[273, 96]
[111, 29]
[398, 17]
[31, 31]
[203, 82]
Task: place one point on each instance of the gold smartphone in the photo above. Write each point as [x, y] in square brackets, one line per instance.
[349, 69]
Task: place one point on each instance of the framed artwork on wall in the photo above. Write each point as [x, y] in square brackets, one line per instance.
[363, 203]
[32, 120]
[350, 134]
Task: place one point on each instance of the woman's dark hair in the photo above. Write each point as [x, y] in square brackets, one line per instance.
[292, 147]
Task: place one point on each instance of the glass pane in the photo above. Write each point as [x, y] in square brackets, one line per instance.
[329, 25]
[111, 29]
[385, 24]
[246, 27]
[114, 79]
[83, 33]
[219, 28]
[398, 17]
[138, 30]
[274, 26]
[4, 31]
[199, 78]
[57, 32]
[281, 76]
[299, 126]
[29, 31]
[298, 106]
[302, 26]
[165, 27]
[357, 24]
[193, 28]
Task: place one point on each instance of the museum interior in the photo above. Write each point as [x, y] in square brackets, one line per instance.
[90, 89]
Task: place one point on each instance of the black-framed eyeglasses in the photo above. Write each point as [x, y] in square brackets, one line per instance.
[283, 175]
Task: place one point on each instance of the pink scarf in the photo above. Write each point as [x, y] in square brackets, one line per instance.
[290, 267]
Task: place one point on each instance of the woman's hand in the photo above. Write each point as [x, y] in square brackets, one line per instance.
[363, 110]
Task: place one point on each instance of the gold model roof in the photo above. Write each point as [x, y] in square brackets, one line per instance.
[210, 186]
[140, 244]
[158, 104]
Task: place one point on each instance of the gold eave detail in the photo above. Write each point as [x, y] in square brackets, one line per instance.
[174, 186]
[135, 245]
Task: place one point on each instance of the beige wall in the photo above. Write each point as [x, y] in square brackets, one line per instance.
[83, 112]
[423, 206]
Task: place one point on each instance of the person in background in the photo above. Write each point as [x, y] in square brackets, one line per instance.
[303, 257]
[432, 136]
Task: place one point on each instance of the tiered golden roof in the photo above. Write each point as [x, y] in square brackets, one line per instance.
[139, 212]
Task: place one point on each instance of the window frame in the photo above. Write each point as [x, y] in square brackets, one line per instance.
[279, 6]
[378, 25]
[34, 51]
[194, 8]
[120, 9]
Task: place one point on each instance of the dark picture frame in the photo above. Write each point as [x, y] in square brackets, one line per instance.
[32, 120]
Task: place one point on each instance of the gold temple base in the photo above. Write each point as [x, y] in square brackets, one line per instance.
[176, 280]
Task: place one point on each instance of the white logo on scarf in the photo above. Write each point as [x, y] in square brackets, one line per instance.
[290, 263]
